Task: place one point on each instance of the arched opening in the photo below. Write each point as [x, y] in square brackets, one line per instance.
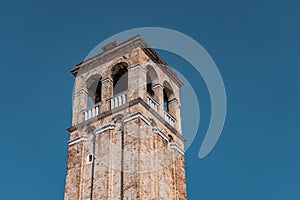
[151, 79]
[90, 158]
[119, 75]
[94, 85]
[168, 95]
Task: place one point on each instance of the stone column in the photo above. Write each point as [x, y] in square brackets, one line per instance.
[174, 110]
[159, 97]
[106, 93]
[79, 104]
[137, 82]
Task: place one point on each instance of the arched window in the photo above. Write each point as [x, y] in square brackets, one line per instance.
[94, 89]
[151, 79]
[168, 95]
[120, 77]
[90, 158]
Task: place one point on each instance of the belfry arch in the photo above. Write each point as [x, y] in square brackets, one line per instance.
[119, 74]
[93, 85]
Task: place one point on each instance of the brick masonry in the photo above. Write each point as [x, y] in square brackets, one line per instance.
[136, 153]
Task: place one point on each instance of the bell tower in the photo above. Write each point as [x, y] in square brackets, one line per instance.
[126, 139]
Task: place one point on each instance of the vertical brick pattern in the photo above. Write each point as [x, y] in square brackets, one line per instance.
[133, 162]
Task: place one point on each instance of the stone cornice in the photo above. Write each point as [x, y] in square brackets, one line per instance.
[162, 134]
[106, 79]
[137, 115]
[158, 85]
[76, 140]
[177, 148]
[123, 107]
[137, 66]
[104, 128]
[81, 91]
[120, 50]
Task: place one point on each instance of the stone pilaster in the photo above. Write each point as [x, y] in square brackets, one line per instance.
[174, 110]
[106, 93]
[137, 82]
[79, 104]
[159, 97]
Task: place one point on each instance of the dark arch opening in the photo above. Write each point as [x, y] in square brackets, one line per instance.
[151, 79]
[120, 77]
[90, 158]
[94, 89]
[168, 94]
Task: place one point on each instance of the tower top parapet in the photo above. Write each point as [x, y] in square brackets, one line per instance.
[113, 50]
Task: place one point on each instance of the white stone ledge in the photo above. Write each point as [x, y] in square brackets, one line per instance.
[162, 134]
[105, 128]
[81, 91]
[177, 148]
[137, 115]
[137, 66]
[158, 85]
[107, 79]
[79, 139]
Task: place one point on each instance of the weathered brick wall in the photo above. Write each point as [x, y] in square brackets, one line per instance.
[130, 163]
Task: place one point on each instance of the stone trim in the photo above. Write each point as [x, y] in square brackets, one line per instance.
[76, 140]
[82, 90]
[120, 50]
[137, 66]
[176, 101]
[122, 107]
[177, 148]
[173, 100]
[162, 134]
[105, 128]
[107, 79]
[158, 85]
[137, 115]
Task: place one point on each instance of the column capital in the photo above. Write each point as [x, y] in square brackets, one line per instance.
[107, 79]
[81, 91]
[137, 66]
[158, 85]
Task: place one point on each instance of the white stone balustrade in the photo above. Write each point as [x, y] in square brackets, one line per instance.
[117, 100]
[152, 103]
[169, 119]
[91, 112]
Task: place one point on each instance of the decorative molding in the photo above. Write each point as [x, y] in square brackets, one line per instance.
[105, 128]
[82, 90]
[107, 79]
[177, 148]
[158, 85]
[76, 140]
[173, 100]
[125, 106]
[162, 134]
[137, 115]
[137, 66]
[121, 49]
[176, 101]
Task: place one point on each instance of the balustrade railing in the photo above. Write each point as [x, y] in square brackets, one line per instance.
[91, 112]
[152, 103]
[118, 100]
[121, 99]
[169, 119]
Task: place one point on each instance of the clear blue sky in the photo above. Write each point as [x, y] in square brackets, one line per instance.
[254, 43]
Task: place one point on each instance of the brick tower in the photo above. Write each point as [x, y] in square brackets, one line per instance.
[126, 139]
